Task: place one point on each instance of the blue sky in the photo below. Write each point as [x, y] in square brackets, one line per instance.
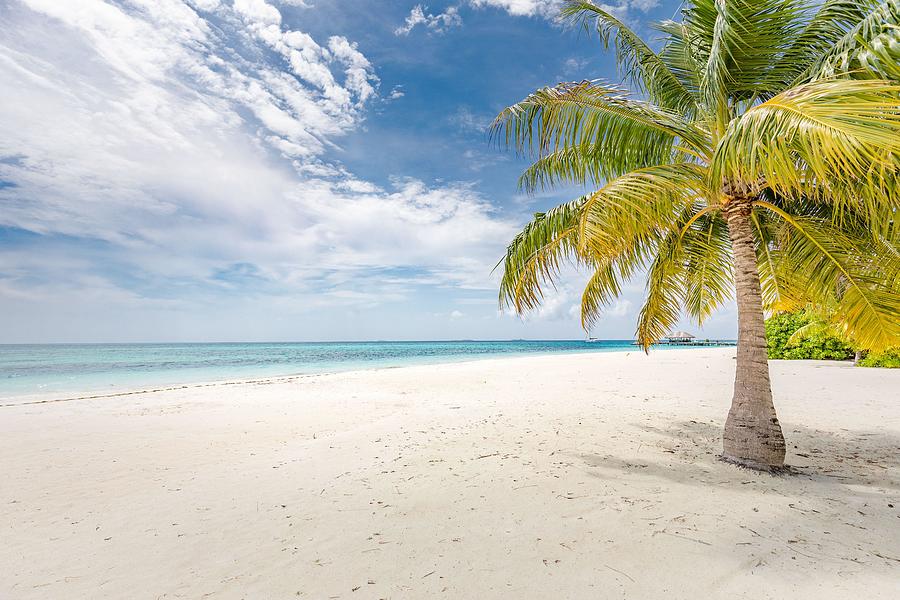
[277, 169]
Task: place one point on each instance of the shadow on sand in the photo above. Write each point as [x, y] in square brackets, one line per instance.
[687, 452]
[838, 504]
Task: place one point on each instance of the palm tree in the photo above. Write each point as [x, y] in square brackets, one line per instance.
[756, 153]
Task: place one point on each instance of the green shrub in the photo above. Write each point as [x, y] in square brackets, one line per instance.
[820, 346]
[889, 359]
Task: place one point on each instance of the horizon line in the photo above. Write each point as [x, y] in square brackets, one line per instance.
[375, 341]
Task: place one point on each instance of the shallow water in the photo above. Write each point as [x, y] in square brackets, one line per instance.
[68, 369]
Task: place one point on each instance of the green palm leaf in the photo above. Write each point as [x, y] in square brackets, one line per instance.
[708, 266]
[872, 46]
[665, 284]
[637, 62]
[637, 205]
[843, 270]
[590, 113]
[535, 255]
[826, 29]
[823, 139]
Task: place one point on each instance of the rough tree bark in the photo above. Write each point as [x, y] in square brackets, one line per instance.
[753, 435]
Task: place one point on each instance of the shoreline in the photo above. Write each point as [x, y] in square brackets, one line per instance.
[50, 398]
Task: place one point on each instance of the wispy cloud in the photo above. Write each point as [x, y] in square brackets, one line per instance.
[437, 23]
[575, 65]
[186, 145]
[467, 120]
[549, 9]
[523, 8]
[396, 93]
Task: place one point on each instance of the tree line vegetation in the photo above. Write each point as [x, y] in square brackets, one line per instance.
[802, 335]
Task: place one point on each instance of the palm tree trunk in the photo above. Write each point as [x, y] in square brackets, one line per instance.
[753, 435]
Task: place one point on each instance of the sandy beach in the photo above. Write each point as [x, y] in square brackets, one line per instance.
[579, 476]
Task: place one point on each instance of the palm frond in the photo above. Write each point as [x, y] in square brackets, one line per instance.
[534, 257]
[826, 139]
[779, 292]
[708, 267]
[739, 43]
[591, 113]
[679, 54]
[835, 268]
[605, 284]
[636, 61]
[594, 164]
[638, 205]
[622, 223]
[692, 269]
[871, 47]
[824, 29]
[665, 285]
[812, 329]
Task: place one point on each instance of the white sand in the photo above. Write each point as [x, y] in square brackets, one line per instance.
[587, 476]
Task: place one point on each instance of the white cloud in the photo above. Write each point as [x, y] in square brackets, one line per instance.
[190, 166]
[549, 9]
[574, 65]
[523, 8]
[478, 161]
[620, 308]
[468, 121]
[438, 23]
[258, 11]
[557, 306]
[312, 62]
[205, 5]
[358, 69]
[546, 9]
[624, 9]
[643, 5]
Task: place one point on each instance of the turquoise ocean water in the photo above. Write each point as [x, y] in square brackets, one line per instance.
[64, 370]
